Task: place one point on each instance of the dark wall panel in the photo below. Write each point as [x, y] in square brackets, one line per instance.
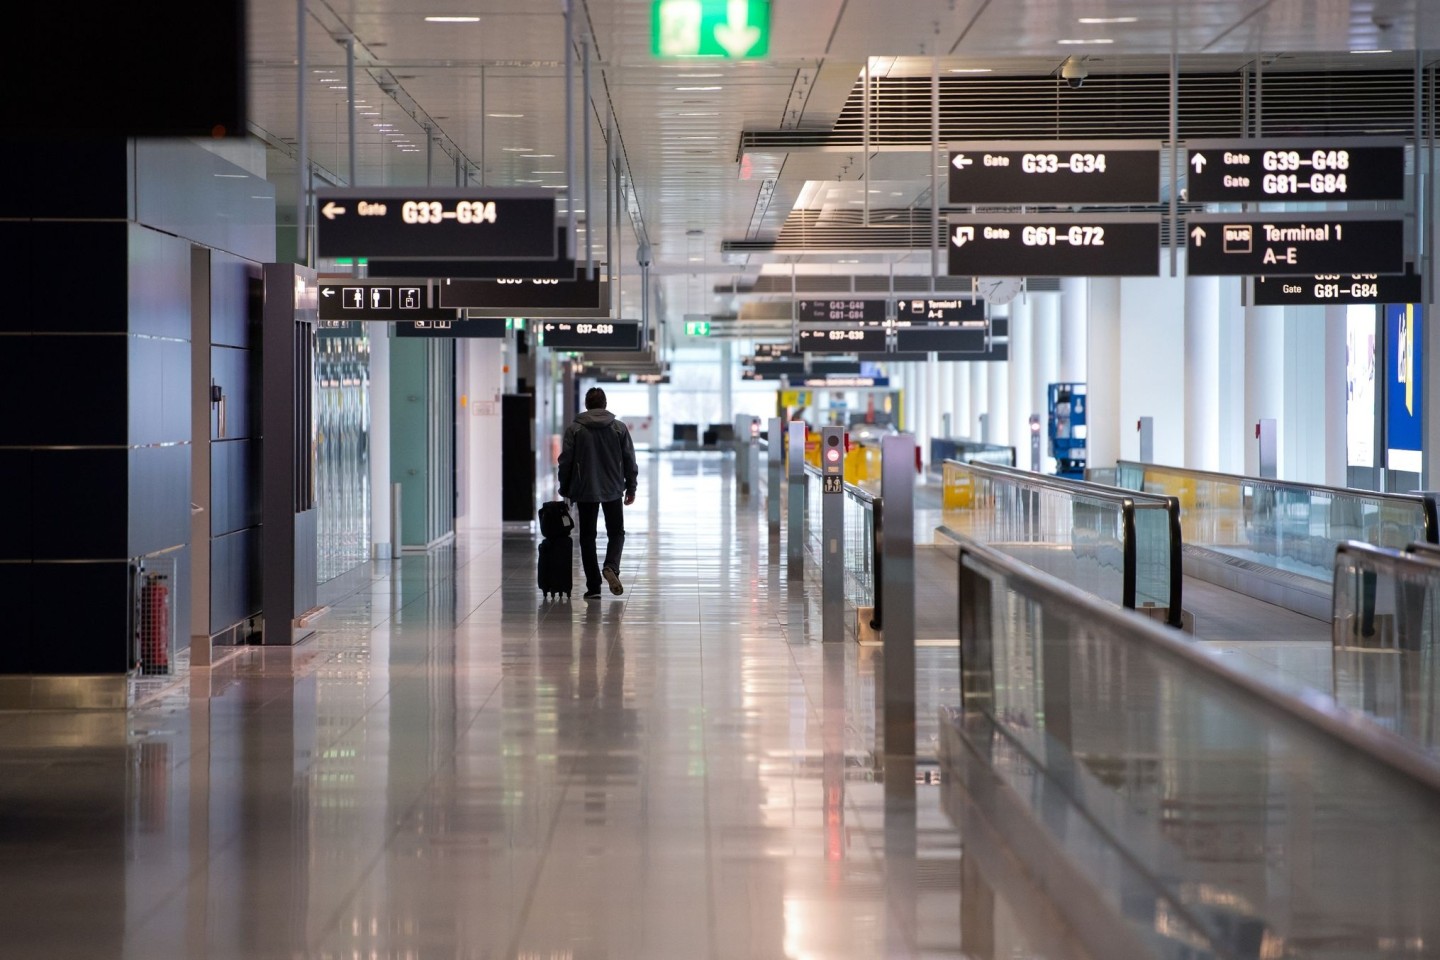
[55, 176]
[235, 371]
[96, 600]
[17, 387]
[159, 389]
[17, 270]
[79, 276]
[234, 578]
[79, 383]
[234, 486]
[17, 531]
[159, 284]
[234, 284]
[79, 504]
[159, 498]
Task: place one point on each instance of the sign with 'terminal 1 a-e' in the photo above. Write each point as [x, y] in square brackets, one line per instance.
[1293, 244]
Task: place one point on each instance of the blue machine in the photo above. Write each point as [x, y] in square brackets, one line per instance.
[1067, 428]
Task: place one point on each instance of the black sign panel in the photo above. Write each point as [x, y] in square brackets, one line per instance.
[598, 335]
[821, 339]
[1356, 288]
[1055, 171]
[432, 224]
[939, 340]
[841, 311]
[776, 369]
[940, 313]
[562, 268]
[1055, 246]
[772, 349]
[530, 298]
[363, 300]
[484, 328]
[1292, 244]
[1237, 171]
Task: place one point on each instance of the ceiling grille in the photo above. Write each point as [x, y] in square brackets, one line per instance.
[1373, 103]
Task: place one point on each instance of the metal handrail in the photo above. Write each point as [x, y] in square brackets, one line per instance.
[1126, 501]
[1427, 503]
[1422, 559]
[1362, 736]
[877, 530]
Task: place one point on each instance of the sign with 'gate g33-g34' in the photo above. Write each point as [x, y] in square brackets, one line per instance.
[424, 223]
[1055, 171]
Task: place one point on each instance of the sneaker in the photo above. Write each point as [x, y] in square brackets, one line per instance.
[592, 595]
[612, 578]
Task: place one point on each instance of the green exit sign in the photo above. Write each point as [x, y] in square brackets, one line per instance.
[697, 328]
[735, 29]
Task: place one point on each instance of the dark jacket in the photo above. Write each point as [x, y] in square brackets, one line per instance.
[597, 459]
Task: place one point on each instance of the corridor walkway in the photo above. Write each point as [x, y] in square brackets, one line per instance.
[453, 768]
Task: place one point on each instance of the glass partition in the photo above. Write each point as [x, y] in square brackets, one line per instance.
[1289, 526]
[1120, 546]
[1211, 815]
[862, 517]
[1386, 637]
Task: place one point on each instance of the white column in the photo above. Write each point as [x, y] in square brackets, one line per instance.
[1202, 373]
[998, 400]
[946, 376]
[1264, 380]
[979, 397]
[1074, 321]
[1234, 434]
[1045, 337]
[1102, 374]
[933, 404]
[962, 423]
[380, 533]
[1022, 315]
[1337, 424]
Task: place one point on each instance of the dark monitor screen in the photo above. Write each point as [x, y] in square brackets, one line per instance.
[685, 433]
[723, 431]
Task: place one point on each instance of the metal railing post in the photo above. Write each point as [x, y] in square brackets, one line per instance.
[897, 588]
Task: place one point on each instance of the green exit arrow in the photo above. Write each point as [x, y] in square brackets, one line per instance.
[697, 328]
[734, 29]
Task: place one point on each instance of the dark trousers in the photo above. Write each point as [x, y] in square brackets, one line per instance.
[614, 538]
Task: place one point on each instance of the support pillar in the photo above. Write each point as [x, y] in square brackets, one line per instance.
[1045, 366]
[1264, 379]
[1102, 376]
[1074, 328]
[1202, 373]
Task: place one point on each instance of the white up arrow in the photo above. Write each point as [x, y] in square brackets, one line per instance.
[963, 235]
[1198, 162]
[331, 211]
[1198, 235]
[961, 161]
[736, 35]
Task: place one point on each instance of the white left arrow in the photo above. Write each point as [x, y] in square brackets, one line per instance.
[331, 211]
[1198, 235]
[961, 161]
[327, 292]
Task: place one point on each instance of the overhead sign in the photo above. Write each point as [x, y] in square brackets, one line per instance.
[697, 328]
[839, 382]
[940, 340]
[1356, 288]
[561, 268]
[1237, 171]
[773, 349]
[734, 29]
[386, 300]
[820, 339]
[609, 335]
[1055, 245]
[482, 328]
[940, 313]
[510, 297]
[842, 311]
[424, 223]
[1055, 171]
[1291, 244]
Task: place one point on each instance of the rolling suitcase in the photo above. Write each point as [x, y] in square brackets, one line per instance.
[554, 569]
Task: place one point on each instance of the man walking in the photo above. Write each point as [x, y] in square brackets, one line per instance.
[597, 469]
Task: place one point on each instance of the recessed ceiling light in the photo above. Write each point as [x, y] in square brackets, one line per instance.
[1089, 20]
[697, 114]
[553, 186]
[971, 70]
[505, 116]
[698, 89]
[452, 19]
[539, 156]
[700, 136]
[549, 172]
[1358, 52]
[1079, 42]
[517, 149]
[698, 76]
[527, 181]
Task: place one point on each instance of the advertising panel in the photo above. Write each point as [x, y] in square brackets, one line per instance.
[1404, 386]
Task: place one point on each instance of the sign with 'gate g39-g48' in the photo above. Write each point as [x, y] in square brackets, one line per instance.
[424, 223]
[1238, 171]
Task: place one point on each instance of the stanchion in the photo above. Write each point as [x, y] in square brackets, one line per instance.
[897, 590]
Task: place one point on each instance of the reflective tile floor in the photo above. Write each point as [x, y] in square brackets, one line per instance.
[453, 768]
